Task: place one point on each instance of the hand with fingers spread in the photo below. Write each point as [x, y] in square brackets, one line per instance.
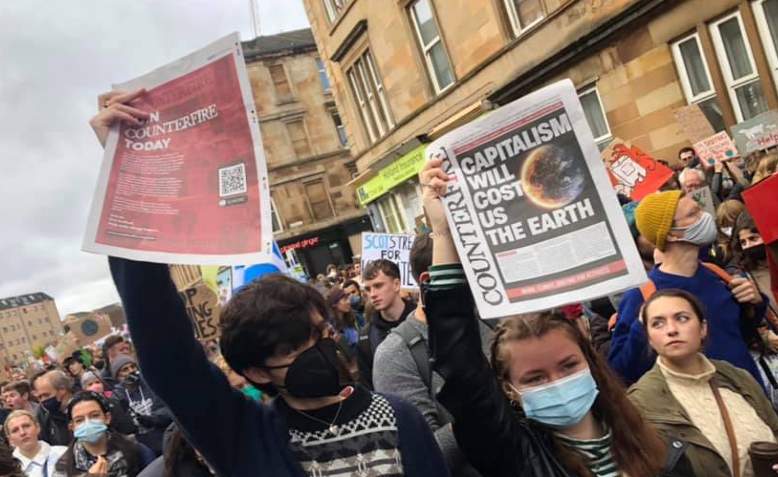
[113, 107]
[745, 291]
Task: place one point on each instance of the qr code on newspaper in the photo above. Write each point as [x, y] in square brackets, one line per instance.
[232, 180]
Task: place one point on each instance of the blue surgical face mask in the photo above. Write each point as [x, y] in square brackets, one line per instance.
[90, 431]
[561, 403]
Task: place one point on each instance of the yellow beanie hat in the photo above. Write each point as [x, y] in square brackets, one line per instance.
[654, 216]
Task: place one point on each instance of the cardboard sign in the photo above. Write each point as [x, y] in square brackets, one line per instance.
[693, 122]
[202, 306]
[716, 148]
[633, 172]
[704, 197]
[393, 247]
[762, 203]
[88, 327]
[756, 134]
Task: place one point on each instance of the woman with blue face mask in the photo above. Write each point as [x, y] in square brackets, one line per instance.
[548, 406]
[96, 450]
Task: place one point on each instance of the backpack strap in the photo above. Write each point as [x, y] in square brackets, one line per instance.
[725, 276]
[418, 347]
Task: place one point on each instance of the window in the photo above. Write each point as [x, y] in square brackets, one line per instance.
[766, 13]
[369, 94]
[340, 128]
[323, 78]
[695, 79]
[319, 200]
[280, 82]
[391, 214]
[333, 8]
[737, 65]
[435, 56]
[299, 138]
[595, 116]
[275, 218]
[523, 14]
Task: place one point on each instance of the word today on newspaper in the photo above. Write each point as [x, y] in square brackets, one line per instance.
[533, 214]
[393, 247]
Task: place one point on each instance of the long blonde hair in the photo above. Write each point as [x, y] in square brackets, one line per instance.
[766, 167]
[636, 446]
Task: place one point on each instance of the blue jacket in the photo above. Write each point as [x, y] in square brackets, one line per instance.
[237, 436]
[630, 354]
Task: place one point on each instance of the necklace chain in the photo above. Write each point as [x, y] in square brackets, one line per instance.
[330, 425]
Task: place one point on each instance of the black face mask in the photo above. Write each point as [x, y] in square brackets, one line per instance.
[315, 372]
[132, 378]
[757, 253]
[52, 405]
[694, 162]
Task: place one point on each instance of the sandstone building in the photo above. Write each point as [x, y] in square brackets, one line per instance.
[406, 71]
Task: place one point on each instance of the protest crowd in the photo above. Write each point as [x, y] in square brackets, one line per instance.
[350, 374]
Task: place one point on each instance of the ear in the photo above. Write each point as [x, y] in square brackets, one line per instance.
[107, 418]
[257, 375]
[704, 330]
[397, 284]
[510, 392]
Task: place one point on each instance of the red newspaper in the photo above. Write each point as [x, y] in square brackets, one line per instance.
[190, 185]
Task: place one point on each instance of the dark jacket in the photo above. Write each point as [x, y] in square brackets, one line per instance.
[54, 427]
[151, 421]
[373, 335]
[137, 456]
[496, 439]
[655, 400]
[236, 436]
[121, 421]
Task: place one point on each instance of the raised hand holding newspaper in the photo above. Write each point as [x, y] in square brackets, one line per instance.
[183, 178]
[531, 210]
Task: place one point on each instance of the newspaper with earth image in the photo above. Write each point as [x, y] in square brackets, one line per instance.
[533, 214]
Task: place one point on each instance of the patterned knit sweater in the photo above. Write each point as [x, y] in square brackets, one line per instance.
[363, 440]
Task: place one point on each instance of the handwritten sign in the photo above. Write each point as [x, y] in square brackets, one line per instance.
[392, 247]
[756, 134]
[716, 148]
[202, 306]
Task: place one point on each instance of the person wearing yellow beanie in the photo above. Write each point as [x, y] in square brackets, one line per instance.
[654, 216]
[679, 228]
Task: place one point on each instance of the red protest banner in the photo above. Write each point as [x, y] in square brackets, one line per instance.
[633, 172]
[762, 203]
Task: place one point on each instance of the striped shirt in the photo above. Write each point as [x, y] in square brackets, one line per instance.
[597, 452]
[446, 276]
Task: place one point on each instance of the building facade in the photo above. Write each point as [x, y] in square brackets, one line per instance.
[26, 322]
[315, 215]
[406, 71]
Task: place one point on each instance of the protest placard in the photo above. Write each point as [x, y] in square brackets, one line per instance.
[87, 327]
[633, 172]
[756, 134]
[716, 148]
[532, 212]
[693, 122]
[394, 247]
[202, 306]
[704, 198]
[190, 185]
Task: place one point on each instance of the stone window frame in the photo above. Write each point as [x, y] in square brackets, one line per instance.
[363, 77]
[733, 84]
[319, 178]
[604, 139]
[770, 47]
[274, 213]
[323, 76]
[425, 50]
[301, 120]
[514, 21]
[281, 99]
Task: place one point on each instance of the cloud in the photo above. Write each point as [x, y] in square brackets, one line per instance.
[56, 57]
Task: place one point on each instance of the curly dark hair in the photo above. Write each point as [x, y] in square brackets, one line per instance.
[268, 317]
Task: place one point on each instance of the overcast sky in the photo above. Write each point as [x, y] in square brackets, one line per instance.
[55, 57]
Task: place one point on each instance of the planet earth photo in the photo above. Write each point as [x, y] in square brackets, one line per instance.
[550, 178]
